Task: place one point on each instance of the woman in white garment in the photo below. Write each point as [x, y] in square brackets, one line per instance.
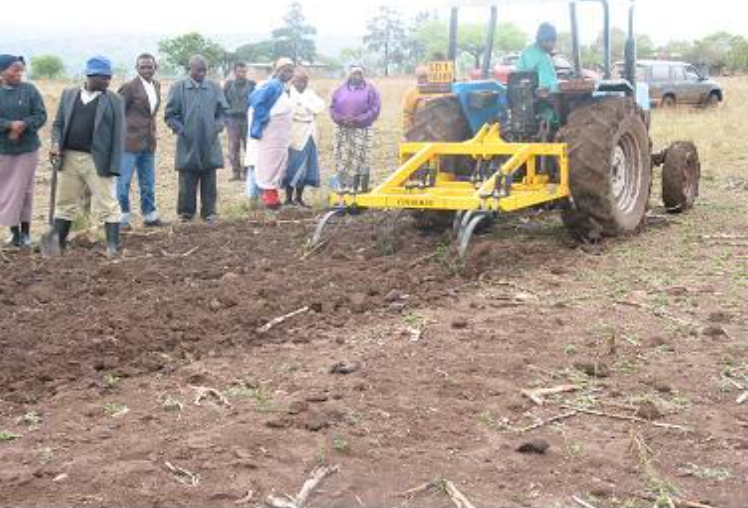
[303, 155]
[270, 124]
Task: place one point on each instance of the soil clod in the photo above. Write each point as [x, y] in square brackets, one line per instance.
[536, 446]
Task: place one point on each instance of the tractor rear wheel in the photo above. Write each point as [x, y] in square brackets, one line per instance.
[441, 119]
[610, 169]
[680, 176]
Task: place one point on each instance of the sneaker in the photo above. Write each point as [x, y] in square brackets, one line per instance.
[155, 223]
[301, 203]
[211, 220]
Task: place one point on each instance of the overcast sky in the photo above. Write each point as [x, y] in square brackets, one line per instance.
[662, 19]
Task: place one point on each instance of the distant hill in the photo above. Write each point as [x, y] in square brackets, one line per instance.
[74, 49]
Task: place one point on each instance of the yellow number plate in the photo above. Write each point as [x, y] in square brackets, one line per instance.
[441, 72]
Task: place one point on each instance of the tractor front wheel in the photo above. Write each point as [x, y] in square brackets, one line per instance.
[610, 169]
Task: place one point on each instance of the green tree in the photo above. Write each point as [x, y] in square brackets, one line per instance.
[737, 60]
[713, 51]
[256, 52]
[295, 39]
[386, 37]
[178, 50]
[510, 38]
[47, 67]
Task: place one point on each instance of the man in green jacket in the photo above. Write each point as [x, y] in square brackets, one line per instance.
[539, 58]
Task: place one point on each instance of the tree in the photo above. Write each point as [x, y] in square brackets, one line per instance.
[177, 51]
[386, 37]
[737, 59]
[47, 67]
[295, 39]
[510, 38]
[257, 52]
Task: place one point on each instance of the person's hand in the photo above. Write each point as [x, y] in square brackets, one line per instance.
[17, 127]
[54, 153]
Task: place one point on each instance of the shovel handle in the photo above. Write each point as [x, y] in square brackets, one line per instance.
[56, 163]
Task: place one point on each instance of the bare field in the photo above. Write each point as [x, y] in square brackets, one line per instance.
[539, 374]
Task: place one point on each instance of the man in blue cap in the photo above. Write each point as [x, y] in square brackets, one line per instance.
[539, 58]
[88, 137]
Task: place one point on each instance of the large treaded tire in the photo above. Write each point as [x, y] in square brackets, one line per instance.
[440, 119]
[681, 174]
[610, 169]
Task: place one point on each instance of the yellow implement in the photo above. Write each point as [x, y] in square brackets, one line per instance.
[495, 186]
[410, 187]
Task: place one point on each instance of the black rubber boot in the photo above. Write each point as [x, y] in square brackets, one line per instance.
[62, 228]
[289, 196]
[113, 243]
[300, 198]
[26, 234]
[15, 236]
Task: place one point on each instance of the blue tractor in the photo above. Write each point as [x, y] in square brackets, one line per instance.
[478, 149]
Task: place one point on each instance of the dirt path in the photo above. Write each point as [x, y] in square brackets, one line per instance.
[402, 371]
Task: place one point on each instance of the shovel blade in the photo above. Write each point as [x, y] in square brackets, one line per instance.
[50, 245]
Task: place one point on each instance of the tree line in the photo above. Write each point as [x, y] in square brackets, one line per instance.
[393, 43]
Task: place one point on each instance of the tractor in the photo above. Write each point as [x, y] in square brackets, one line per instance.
[480, 149]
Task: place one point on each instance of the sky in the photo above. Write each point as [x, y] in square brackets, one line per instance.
[663, 20]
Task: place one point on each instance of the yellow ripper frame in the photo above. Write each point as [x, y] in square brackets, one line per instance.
[447, 193]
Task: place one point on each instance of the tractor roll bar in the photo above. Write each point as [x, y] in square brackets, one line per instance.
[606, 33]
[454, 20]
[486, 70]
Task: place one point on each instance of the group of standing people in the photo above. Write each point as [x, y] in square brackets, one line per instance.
[101, 139]
[283, 149]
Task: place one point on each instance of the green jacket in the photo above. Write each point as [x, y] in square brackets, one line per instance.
[21, 103]
[536, 59]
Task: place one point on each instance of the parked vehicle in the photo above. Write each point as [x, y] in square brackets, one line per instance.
[673, 83]
[564, 68]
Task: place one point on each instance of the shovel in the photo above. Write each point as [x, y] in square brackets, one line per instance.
[50, 242]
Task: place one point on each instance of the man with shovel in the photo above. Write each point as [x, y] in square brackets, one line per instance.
[88, 138]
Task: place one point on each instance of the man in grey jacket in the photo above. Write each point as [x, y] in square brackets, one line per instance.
[88, 137]
[196, 112]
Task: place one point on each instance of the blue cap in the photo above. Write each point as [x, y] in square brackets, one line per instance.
[99, 66]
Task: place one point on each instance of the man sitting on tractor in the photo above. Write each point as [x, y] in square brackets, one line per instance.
[538, 57]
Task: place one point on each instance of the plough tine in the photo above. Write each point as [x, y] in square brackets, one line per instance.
[467, 234]
[317, 238]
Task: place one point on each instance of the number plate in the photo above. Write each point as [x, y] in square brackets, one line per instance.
[441, 72]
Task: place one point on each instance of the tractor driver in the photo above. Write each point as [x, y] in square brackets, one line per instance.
[538, 57]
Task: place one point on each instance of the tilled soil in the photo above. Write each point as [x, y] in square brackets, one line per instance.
[406, 369]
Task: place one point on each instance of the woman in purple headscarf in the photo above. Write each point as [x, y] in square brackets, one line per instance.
[22, 114]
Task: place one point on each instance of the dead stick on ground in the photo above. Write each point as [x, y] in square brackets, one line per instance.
[423, 259]
[310, 485]
[183, 476]
[634, 419]
[582, 502]
[742, 398]
[681, 503]
[183, 255]
[204, 391]
[457, 497]
[311, 252]
[417, 490]
[537, 395]
[282, 319]
[313, 482]
[558, 418]
[246, 499]
[660, 313]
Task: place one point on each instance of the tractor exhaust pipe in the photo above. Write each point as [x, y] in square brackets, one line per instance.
[486, 70]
